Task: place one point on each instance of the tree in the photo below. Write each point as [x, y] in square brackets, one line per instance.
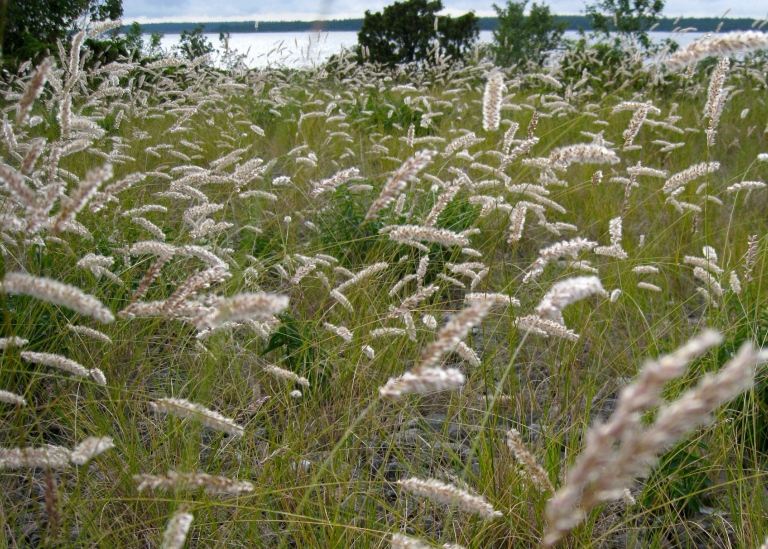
[193, 44]
[629, 18]
[133, 39]
[407, 31]
[154, 48]
[29, 28]
[520, 38]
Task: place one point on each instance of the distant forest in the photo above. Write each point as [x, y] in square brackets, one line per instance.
[575, 22]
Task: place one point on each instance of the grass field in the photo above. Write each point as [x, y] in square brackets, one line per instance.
[276, 247]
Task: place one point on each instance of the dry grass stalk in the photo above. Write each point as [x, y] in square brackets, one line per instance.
[192, 481]
[724, 45]
[416, 233]
[176, 531]
[569, 248]
[89, 332]
[750, 258]
[454, 331]
[444, 199]
[422, 380]
[12, 341]
[56, 361]
[365, 273]
[401, 541]
[407, 172]
[186, 409]
[535, 471]
[583, 153]
[565, 292]
[492, 98]
[45, 457]
[90, 448]
[243, 307]
[34, 89]
[282, 373]
[683, 177]
[12, 398]
[450, 495]
[601, 472]
[81, 195]
[334, 181]
[545, 327]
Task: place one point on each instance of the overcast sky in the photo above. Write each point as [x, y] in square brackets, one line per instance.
[292, 10]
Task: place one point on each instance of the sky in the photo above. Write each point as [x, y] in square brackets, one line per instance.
[146, 11]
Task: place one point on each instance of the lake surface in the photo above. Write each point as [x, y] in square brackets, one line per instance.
[301, 49]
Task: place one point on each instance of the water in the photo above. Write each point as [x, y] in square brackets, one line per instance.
[301, 49]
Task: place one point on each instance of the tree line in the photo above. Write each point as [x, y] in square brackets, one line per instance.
[405, 31]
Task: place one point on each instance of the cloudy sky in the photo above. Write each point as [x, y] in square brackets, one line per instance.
[292, 10]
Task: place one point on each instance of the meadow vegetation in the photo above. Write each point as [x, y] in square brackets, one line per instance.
[351, 306]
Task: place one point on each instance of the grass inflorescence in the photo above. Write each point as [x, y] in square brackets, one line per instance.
[348, 306]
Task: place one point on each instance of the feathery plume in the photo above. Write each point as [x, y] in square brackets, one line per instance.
[750, 258]
[683, 177]
[52, 291]
[281, 373]
[451, 495]
[98, 376]
[35, 150]
[381, 332]
[56, 361]
[564, 293]
[454, 331]
[645, 269]
[186, 409]
[501, 299]
[243, 307]
[18, 189]
[12, 398]
[34, 89]
[12, 341]
[634, 125]
[415, 233]
[365, 273]
[443, 201]
[587, 482]
[724, 45]
[44, 457]
[81, 195]
[192, 481]
[545, 327]
[405, 173]
[401, 541]
[176, 530]
[90, 448]
[492, 98]
[648, 286]
[582, 153]
[334, 181]
[89, 332]
[745, 186]
[535, 471]
[569, 248]
[422, 380]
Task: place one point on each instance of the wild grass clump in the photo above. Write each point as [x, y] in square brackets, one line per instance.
[348, 306]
